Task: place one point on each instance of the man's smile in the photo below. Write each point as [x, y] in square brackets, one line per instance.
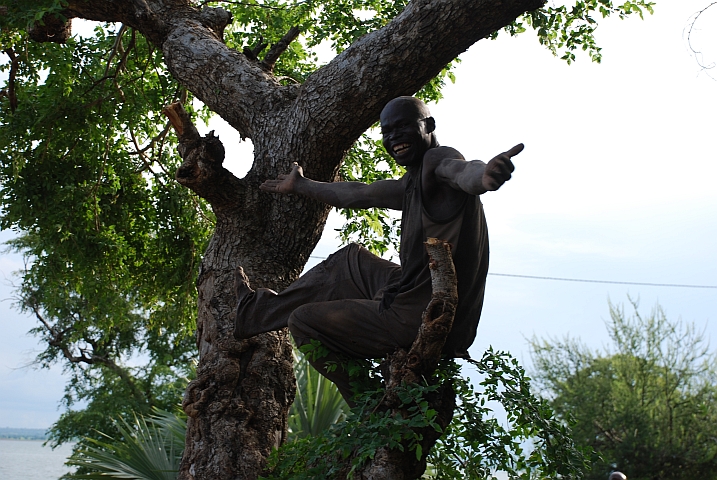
[401, 148]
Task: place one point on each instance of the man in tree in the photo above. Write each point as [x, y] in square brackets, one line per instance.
[359, 305]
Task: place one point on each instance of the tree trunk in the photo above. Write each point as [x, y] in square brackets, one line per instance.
[239, 402]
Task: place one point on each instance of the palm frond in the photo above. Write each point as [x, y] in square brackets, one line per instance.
[149, 449]
[318, 403]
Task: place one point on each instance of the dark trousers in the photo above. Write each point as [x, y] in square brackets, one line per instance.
[338, 302]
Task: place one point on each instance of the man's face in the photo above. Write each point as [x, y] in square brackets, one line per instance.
[406, 131]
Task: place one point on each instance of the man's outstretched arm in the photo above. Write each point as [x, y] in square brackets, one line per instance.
[381, 194]
[474, 177]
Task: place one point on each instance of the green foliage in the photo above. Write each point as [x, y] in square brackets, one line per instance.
[564, 29]
[112, 242]
[647, 404]
[360, 435]
[531, 443]
[146, 449]
[318, 403]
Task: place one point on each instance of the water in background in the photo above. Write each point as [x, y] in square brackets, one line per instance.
[29, 460]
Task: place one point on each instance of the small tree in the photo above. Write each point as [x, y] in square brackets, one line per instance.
[646, 404]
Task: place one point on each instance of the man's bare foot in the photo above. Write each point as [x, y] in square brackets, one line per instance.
[241, 285]
[243, 293]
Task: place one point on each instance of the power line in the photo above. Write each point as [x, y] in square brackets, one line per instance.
[582, 280]
[614, 282]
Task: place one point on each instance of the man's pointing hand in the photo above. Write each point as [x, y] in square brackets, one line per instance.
[500, 168]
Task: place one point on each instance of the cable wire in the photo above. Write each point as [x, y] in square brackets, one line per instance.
[614, 282]
[582, 280]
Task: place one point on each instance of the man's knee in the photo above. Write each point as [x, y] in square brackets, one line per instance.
[342, 254]
[297, 326]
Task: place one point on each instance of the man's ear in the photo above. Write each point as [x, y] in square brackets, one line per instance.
[430, 124]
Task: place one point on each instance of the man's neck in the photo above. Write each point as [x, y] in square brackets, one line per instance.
[414, 169]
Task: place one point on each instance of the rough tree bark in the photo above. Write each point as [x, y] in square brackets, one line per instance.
[239, 402]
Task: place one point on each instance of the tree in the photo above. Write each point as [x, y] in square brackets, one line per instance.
[647, 404]
[113, 242]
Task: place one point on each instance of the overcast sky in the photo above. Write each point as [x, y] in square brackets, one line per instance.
[617, 183]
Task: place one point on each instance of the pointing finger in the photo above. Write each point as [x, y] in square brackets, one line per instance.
[515, 150]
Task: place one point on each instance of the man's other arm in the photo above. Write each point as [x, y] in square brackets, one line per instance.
[473, 177]
[381, 194]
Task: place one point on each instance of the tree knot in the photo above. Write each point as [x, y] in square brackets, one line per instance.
[216, 19]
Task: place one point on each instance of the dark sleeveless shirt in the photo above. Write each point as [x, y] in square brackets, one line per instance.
[470, 259]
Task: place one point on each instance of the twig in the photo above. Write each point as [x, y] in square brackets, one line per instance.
[116, 47]
[698, 54]
[246, 4]
[10, 92]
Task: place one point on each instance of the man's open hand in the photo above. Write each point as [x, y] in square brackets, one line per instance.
[284, 183]
[500, 168]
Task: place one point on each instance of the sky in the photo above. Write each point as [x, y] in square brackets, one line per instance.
[616, 183]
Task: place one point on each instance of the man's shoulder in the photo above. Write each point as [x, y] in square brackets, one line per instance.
[437, 154]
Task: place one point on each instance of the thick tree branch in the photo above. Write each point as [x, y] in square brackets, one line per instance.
[191, 39]
[147, 16]
[216, 19]
[421, 360]
[395, 60]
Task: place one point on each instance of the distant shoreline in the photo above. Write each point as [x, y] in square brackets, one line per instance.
[23, 434]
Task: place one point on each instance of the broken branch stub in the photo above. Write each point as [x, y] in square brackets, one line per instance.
[416, 366]
[437, 321]
[202, 170]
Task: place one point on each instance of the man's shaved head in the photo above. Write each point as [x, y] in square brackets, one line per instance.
[409, 104]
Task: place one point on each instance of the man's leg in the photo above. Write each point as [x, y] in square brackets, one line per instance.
[352, 272]
[352, 328]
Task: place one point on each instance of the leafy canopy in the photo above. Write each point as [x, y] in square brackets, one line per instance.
[647, 403]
